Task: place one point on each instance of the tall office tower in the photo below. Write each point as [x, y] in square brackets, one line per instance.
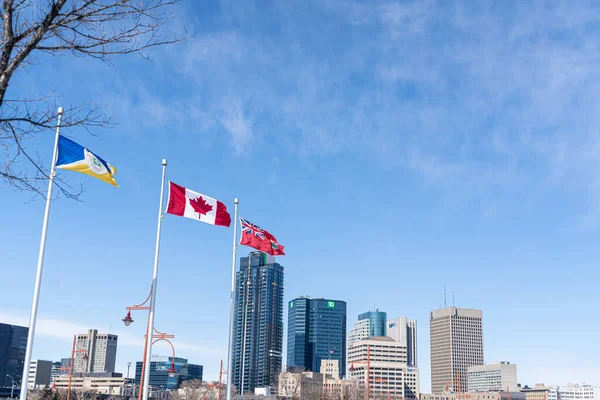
[13, 342]
[369, 324]
[95, 353]
[316, 332]
[377, 321]
[378, 364]
[404, 331]
[258, 323]
[456, 343]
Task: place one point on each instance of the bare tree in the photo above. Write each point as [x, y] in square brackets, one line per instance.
[312, 391]
[233, 391]
[49, 394]
[84, 394]
[352, 392]
[100, 29]
[195, 389]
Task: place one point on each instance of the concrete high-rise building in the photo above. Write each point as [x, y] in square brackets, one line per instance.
[369, 324]
[159, 377]
[361, 330]
[493, 377]
[404, 331]
[13, 343]
[39, 373]
[379, 364]
[258, 323]
[316, 332]
[456, 343]
[95, 353]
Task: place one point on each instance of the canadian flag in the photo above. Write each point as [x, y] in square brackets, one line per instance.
[187, 203]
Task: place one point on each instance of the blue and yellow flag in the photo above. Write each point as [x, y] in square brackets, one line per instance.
[75, 157]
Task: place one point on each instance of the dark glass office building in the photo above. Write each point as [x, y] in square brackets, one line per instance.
[258, 323]
[13, 343]
[377, 321]
[160, 379]
[316, 332]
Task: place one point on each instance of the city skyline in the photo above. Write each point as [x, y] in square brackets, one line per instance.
[410, 324]
[394, 148]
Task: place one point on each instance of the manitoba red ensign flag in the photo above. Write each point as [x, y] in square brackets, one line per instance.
[187, 203]
[260, 239]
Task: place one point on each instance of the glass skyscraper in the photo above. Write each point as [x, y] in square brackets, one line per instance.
[258, 323]
[377, 321]
[159, 377]
[13, 343]
[316, 332]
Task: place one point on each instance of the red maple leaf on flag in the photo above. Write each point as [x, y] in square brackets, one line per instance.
[200, 205]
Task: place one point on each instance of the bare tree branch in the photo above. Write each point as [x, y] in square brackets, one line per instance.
[100, 29]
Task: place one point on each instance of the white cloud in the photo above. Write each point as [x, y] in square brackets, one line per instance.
[455, 92]
[238, 125]
[46, 327]
[64, 329]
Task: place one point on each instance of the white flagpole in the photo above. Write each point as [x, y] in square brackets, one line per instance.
[154, 281]
[232, 303]
[40, 265]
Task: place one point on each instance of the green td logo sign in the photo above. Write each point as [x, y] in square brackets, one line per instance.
[331, 304]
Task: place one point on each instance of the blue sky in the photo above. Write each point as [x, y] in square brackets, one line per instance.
[392, 147]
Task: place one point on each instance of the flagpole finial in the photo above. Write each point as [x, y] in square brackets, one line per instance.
[164, 161]
[236, 201]
[61, 111]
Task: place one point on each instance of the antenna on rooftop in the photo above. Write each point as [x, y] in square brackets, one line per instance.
[445, 305]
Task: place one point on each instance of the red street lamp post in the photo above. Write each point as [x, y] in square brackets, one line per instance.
[157, 337]
[128, 321]
[85, 357]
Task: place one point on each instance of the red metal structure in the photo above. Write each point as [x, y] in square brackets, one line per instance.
[85, 357]
[165, 336]
[128, 321]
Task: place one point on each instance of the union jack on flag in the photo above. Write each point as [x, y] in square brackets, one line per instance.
[250, 229]
[260, 239]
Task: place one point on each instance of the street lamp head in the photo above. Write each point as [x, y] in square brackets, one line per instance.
[127, 320]
[172, 371]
